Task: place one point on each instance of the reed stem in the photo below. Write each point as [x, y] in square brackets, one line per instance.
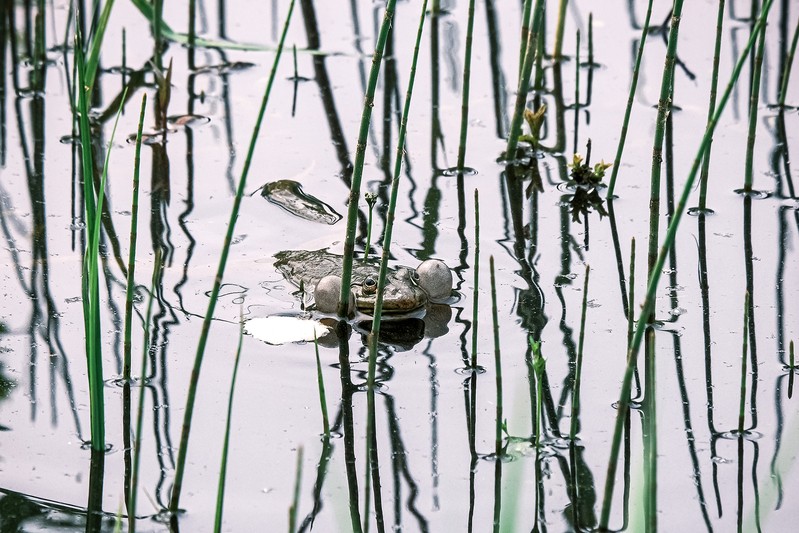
[556, 54]
[220, 494]
[322, 397]
[389, 228]
[206, 327]
[526, 13]
[714, 82]
[134, 220]
[575, 406]
[575, 414]
[524, 82]
[630, 99]
[392, 205]
[134, 480]
[497, 362]
[360, 157]
[652, 284]
[93, 59]
[631, 299]
[754, 100]
[295, 502]
[467, 72]
[90, 279]
[664, 108]
[476, 267]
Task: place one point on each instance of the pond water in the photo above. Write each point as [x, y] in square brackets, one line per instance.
[434, 474]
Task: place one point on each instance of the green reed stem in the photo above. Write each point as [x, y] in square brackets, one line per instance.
[93, 59]
[788, 65]
[754, 100]
[360, 156]
[91, 316]
[631, 298]
[392, 203]
[295, 502]
[745, 343]
[649, 431]
[220, 493]
[206, 327]
[476, 267]
[664, 108]
[591, 40]
[556, 54]
[389, 228]
[630, 99]
[90, 278]
[322, 397]
[497, 361]
[134, 478]
[714, 82]
[87, 164]
[524, 81]
[652, 284]
[367, 485]
[575, 407]
[467, 72]
[526, 11]
[134, 221]
[575, 414]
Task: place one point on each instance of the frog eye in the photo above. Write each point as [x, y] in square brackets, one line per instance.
[369, 285]
[415, 276]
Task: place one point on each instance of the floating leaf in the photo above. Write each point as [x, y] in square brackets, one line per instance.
[289, 196]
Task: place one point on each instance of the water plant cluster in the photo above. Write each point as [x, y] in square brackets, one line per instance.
[592, 450]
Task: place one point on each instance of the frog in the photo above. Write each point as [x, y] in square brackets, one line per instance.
[407, 289]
